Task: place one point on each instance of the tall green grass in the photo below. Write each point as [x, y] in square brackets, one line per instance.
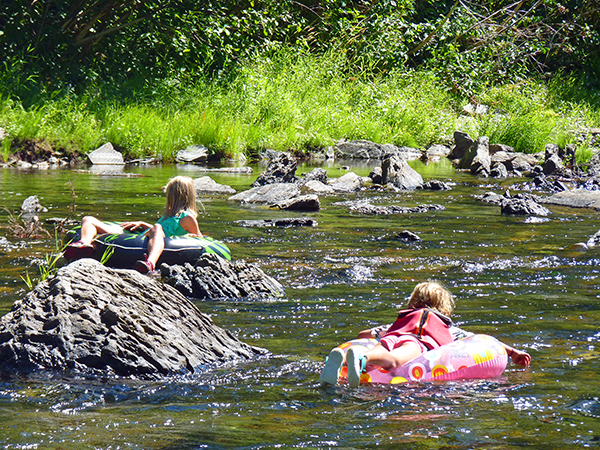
[298, 101]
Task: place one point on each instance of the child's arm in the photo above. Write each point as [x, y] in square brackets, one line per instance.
[374, 333]
[190, 224]
[517, 356]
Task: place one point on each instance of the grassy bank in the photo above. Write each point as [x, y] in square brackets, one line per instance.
[302, 102]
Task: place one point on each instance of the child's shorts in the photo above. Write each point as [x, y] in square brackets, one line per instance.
[392, 341]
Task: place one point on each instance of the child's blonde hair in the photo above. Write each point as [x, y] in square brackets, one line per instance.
[432, 294]
[181, 196]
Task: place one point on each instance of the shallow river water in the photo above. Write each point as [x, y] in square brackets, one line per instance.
[511, 276]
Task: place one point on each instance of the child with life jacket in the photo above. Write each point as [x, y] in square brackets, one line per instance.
[422, 327]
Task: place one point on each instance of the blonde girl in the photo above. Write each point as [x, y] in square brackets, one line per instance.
[178, 219]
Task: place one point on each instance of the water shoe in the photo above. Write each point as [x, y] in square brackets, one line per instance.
[356, 361]
[78, 250]
[333, 365]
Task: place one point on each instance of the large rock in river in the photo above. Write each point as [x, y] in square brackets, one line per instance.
[92, 320]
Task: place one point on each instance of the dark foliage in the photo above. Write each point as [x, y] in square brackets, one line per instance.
[126, 48]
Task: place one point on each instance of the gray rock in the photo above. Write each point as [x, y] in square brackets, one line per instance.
[106, 155]
[192, 154]
[502, 157]
[462, 143]
[491, 197]
[407, 153]
[495, 148]
[269, 154]
[481, 164]
[349, 182]
[308, 202]
[242, 170]
[577, 198]
[216, 278]
[281, 169]
[359, 149]
[553, 164]
[206, 185]
[363, 149]
[523, 207]
[270, 193]
[436, 185]
[316, 187]
[499, 171]
[376, 175]
[398, 173]
[317, 174]
[31, 205]
[92, 320]
[594, 166]
[523, 162]
[552, 150]
[437, 151]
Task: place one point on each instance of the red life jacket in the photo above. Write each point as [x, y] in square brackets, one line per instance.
[430, 327]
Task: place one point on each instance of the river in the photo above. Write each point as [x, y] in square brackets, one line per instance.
[511, 276]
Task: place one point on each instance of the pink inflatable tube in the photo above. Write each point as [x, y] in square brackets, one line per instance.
[478, 356]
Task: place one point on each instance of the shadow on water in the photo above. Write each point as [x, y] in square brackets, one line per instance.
[511, 276]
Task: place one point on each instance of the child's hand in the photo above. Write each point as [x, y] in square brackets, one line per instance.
[521, 358]
[132, 226]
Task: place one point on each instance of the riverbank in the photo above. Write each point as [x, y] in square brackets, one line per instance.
[301, 103]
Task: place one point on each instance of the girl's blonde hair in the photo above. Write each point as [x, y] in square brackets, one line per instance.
[432, 294]
[181, 196]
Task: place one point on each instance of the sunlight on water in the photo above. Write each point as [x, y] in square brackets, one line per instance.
[512, 278]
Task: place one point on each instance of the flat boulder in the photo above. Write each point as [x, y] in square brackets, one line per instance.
[89, 319]
[577, 198]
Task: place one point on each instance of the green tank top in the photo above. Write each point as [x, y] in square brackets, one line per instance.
[171, 225]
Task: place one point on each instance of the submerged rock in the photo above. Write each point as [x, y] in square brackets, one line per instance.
[280, 223]
[369, 209]
[92, 320]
